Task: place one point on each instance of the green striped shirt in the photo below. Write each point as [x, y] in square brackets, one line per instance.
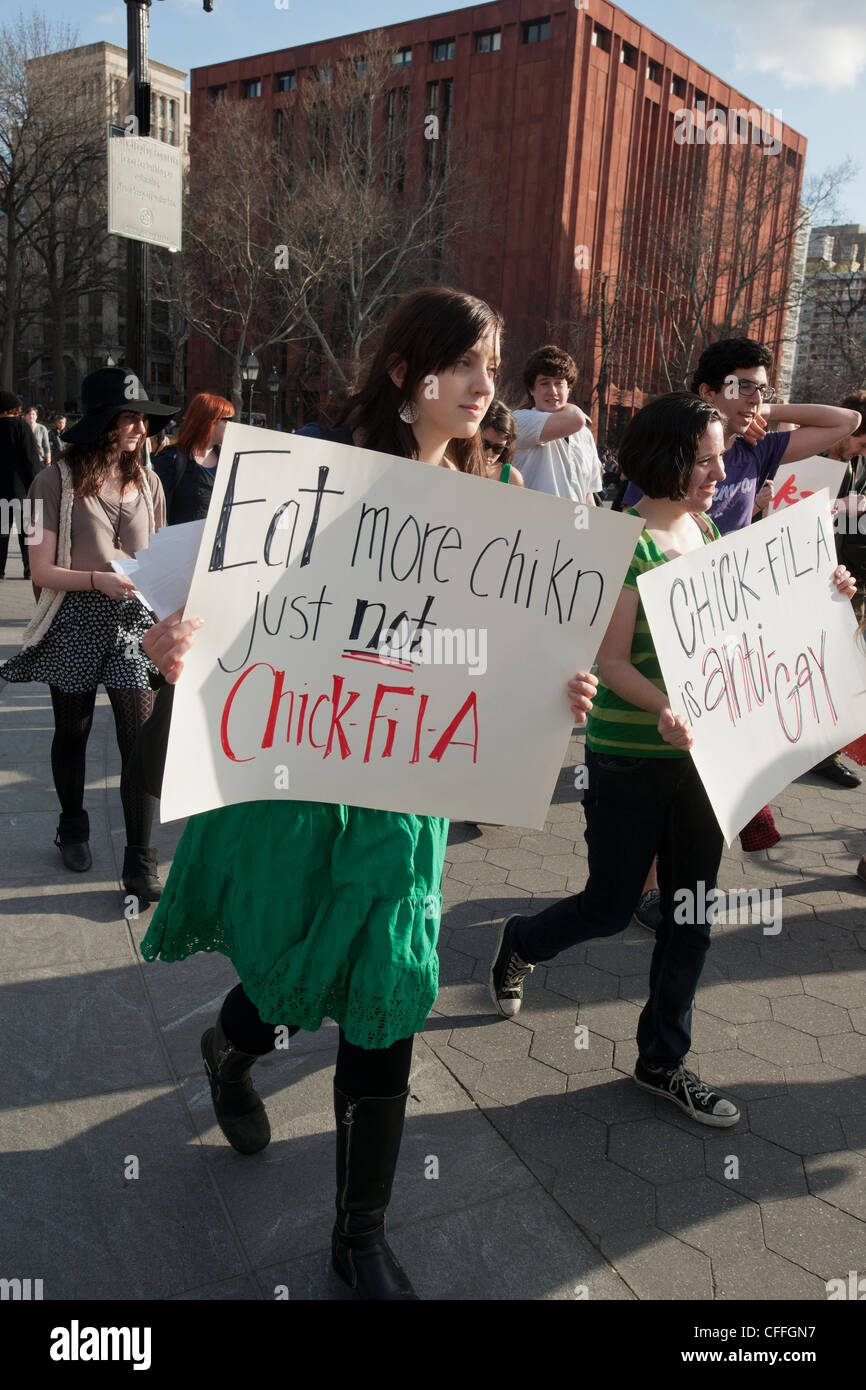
[615, 727]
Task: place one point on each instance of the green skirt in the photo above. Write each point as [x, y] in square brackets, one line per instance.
[324, 911]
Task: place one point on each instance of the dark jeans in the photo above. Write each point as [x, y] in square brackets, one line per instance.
[637, 808]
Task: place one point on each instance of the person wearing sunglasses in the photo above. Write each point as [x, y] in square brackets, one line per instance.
[498, 433]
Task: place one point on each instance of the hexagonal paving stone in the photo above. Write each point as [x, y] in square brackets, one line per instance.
[461, 853]
[599, 1197]
[778, 1043]
[818, 1237]
[762, 1275]
[744, 1076]
[619, 956]
[611, 1020]
[845, 1051]
[546, 844]
[557, 1049]
[491, 1042]
[514, 1082]
[557, 1134]
[840, 1179]
[848, 990]
[858, 1019]
[766, 1171]
[711, 1034]
[537, 881]
[609, 1096]
[732, 1004]
[656, 1151]
[706, 1216]
[762, 978]
[513, 858]
[477, 871]
[543, 1011]
[795, 1123]
[582, 983]
[811, 1015]
[658, 1266]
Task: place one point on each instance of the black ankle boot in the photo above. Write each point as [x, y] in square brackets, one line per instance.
[369, 1131]
[139, 874]
[72, 839]
[239, 1109]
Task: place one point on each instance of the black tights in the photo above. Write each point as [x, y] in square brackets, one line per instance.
[360, 1071]
[73, 719]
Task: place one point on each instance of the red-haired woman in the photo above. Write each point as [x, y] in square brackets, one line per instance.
[187, 469]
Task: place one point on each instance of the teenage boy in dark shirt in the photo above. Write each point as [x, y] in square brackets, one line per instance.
[733, 376]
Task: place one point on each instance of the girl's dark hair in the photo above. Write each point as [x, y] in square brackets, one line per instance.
[500, 418]
[429, 330]
[660, 444]
[89, 463]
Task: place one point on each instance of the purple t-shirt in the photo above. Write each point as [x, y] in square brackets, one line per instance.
[747, 468]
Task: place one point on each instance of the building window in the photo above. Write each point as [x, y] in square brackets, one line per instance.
[322, 74]
[442, 50]
[791, 158]
[678, 87]
[628, 55]
[601, 38]
[362, 67]
[537, 30]
[653, 72]
[488, 42]
[285, 82]
[252, 87]
[701, 96]
[402, 58]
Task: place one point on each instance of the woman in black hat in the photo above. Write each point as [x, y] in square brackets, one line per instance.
[19, 465]
[98, 501]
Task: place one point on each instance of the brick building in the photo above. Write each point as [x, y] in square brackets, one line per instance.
[578, 115]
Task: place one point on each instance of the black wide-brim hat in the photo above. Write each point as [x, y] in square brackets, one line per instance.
[106, 394]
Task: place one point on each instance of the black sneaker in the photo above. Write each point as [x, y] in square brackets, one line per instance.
[836, 771]
[688, 1092]
[648, 912]
[507, 974]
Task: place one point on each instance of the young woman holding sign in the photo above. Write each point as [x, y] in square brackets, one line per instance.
[329, 910]
[645, 797]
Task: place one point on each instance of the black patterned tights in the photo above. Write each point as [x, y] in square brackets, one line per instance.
[73, 719]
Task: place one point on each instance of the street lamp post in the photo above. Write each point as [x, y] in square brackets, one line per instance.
[274, 388]
[249, 372]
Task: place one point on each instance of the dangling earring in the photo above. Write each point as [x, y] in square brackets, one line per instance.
[408, 412]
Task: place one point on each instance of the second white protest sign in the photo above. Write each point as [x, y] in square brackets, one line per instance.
[760, 652]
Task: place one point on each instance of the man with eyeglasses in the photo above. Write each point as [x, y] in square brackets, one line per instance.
[732, 376]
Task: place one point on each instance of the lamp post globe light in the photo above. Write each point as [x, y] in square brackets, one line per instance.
[274, 388]
[249, 372]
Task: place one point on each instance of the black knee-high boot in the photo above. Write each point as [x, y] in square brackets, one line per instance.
[369, 1131]
[238, 1107]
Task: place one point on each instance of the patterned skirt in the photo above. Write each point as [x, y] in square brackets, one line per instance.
[93, 640]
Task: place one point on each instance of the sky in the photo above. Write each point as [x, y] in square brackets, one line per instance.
[803, 58]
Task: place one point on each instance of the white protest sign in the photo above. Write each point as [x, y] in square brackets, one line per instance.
[313, 553]
[794, 482]
[758, 649]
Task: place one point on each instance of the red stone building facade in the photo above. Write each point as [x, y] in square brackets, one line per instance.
[575, 111]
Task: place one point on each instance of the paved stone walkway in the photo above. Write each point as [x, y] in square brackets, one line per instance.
[531, 1168]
